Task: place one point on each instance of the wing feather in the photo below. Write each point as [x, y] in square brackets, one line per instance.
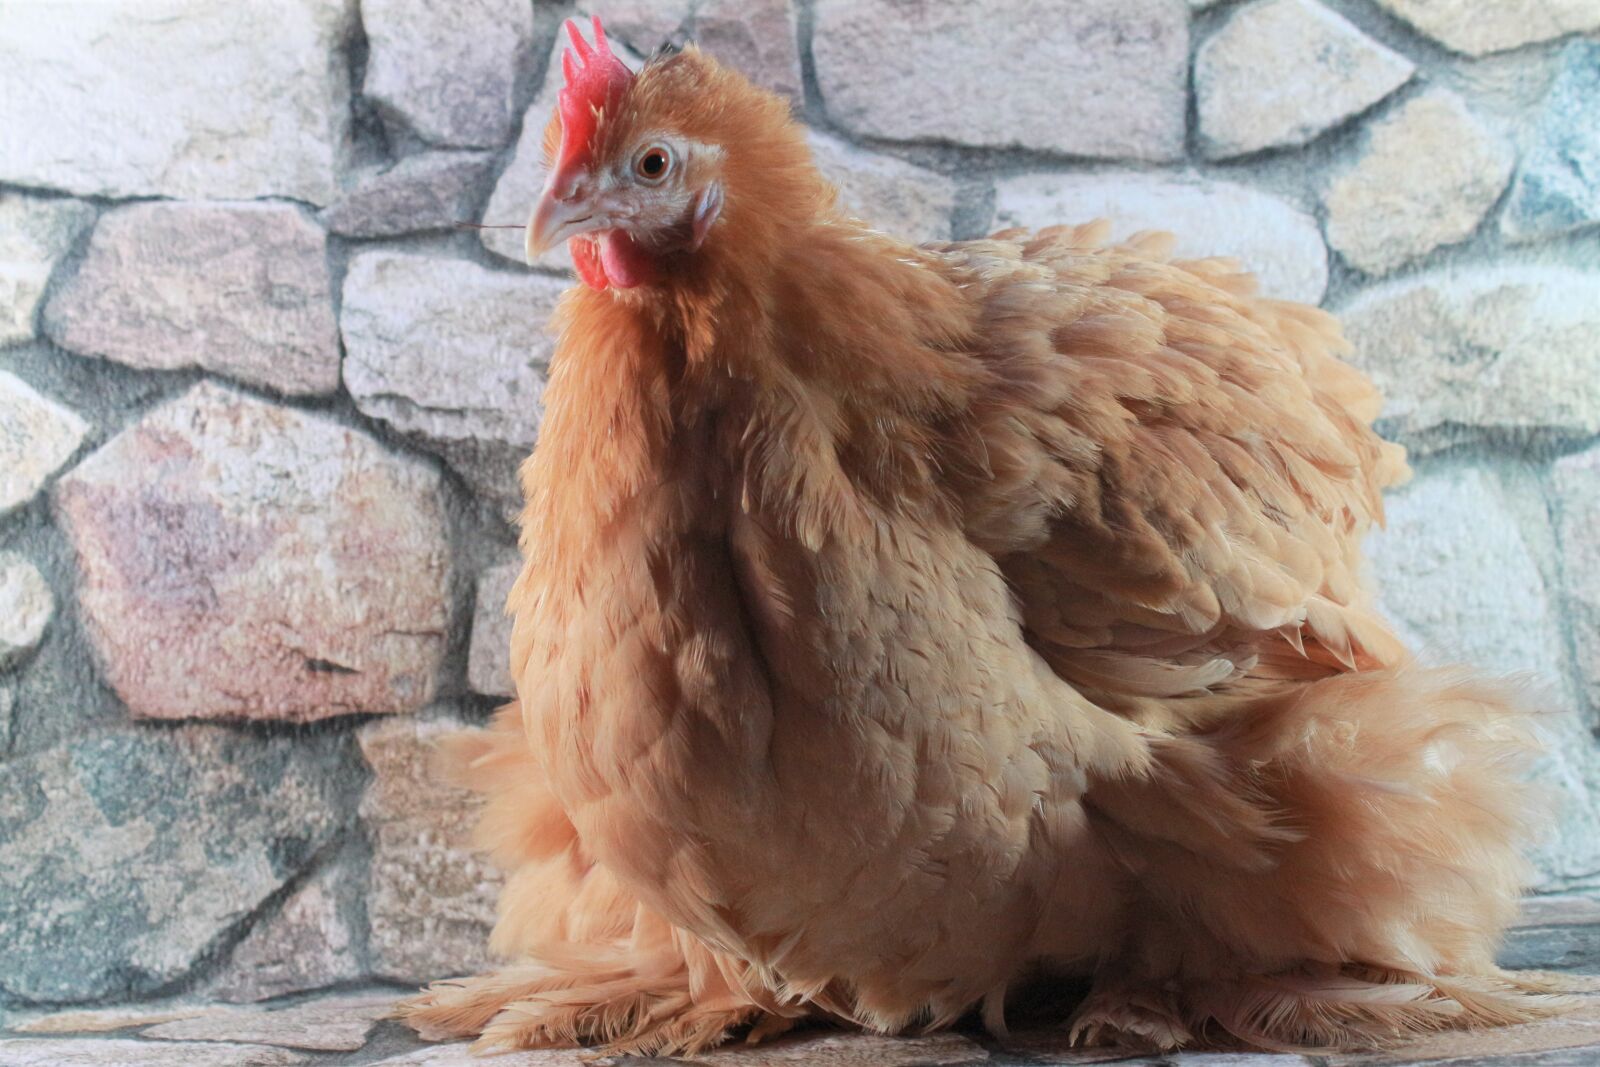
[1174, 474]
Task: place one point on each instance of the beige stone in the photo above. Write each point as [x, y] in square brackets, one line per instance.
[1282, 72]
[447, 68]
[452, 355]
[428, 191]
[243, 560]
[37, 436]
[330, 1024]
[758, 38]
[131, 1052]
[1576, 481]
[1270, 237]
[241, 290]
[34, 234]
[896, 197]
[489, 658]
[1482, 351]
[26, 608]
[1478, 27]
[108, 1020]
[308, 943]
[1426, 177]
[460, 1054]
[431, 896]
[1102, 78]
[178, 98]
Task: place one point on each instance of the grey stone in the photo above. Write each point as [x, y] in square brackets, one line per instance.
[1482, 352]
[643, 25]
[1558, 186]
[242, 290]
[37, 436]
[843, 1050]
[758, 38]
[330, 1024]
[452, 355]
[34, 235]
[1575, 480]
[430, 901]
[1282, 72]
[132, 1052]
[1102, 78]
[899, 198]
[127, 855]
[26, 607]
[1277, 241]
[1477, 28]
[489, 658]
[447, 68]
[308, 943]
[431, 191]
[1460, 570]
[242, 560]
[1426, 177]
[179, 98]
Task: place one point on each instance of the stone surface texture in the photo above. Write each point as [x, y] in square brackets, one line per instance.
[1558, 186]
[1478, 28]
[240, 290]
[446, 68]
[1484, 352]
[311, 942]
[263, 402]
[242, 560]
[208, 824]
[759, 38]
[489, 659]
[179, 98]
[26, 607]
[421, 193]
[34, 234]
[37, 436]
[453, 356]
[430, 898]
[1101, 78]
[1428, 174]
[1282, 72]
[1576, 484]
[899, 198]
[1274, 239]
[334, 1024]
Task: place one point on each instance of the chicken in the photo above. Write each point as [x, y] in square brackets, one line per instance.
[902, 626]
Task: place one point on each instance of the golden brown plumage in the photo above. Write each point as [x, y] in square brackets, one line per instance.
[900, 625]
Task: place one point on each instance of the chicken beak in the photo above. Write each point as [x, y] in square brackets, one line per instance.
[563, 211]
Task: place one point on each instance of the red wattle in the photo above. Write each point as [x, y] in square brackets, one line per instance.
[586, 258]
[626, 264]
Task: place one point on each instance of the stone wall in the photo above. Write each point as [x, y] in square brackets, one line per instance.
[261, 403]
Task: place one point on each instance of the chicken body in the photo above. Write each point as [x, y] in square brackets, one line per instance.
[900, 625]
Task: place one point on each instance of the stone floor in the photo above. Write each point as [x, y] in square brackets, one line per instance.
[347, 1027]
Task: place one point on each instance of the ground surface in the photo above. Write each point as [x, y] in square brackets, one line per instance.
[347, 1027]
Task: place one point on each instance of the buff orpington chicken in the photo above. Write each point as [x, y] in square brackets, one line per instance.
[904, 626]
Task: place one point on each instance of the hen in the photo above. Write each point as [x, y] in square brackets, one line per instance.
[901, 626]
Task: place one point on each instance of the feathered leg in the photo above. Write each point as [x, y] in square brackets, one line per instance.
[591, 965]
[1360, 895]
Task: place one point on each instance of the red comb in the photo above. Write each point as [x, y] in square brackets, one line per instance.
[595, 79]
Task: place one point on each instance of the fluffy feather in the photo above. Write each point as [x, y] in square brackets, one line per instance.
[900, 624]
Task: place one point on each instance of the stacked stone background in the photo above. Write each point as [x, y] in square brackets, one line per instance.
[261, 403]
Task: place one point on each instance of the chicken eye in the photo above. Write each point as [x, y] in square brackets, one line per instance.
[653, 163]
